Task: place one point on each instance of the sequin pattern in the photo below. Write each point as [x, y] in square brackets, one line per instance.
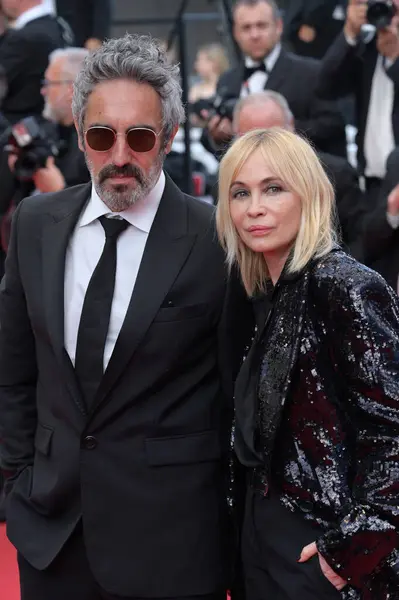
[329, 417]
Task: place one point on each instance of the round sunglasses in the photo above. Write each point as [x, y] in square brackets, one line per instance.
[139, 139]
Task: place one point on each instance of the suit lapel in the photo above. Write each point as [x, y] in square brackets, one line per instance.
[167, 249]
[55, 240]
[278, 73]
[281, 347]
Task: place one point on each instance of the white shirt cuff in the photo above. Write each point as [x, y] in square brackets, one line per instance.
[350, 40]
[393, 220]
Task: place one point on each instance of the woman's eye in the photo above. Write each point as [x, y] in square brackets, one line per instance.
[274, 189]
[240, 194]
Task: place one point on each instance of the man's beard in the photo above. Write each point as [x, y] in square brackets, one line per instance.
[120, 197]
[49, 113]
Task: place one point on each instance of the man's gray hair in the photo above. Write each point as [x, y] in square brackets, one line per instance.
[272, 3]
[138, 58]
[260, 98]
[73, 60]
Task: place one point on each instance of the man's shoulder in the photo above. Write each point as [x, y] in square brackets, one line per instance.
[336, 164]
[306, 63]
[56, 202]
[201, 214]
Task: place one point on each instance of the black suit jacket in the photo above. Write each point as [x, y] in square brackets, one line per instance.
[145, 467]
[349, 70]
[88, 19]
[350, 201]
[380, 240]
[24, 56]
[295, 77]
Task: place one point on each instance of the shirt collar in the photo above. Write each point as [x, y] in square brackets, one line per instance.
[269, 61]
[30, 15]
[141, 214]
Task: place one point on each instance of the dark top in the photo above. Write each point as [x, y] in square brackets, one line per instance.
[24, 56]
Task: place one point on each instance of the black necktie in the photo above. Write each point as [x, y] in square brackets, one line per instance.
[248, 71]
[94, 320]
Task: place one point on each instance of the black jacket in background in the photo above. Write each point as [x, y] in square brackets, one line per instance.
[87, 19]
[380, 240]
[24, 56]
[350, 201]
[295, 77]
[349, 70]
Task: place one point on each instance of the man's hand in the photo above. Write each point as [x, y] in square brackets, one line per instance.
[356, 16]
[93, 44]
[333, 578]
[307, 34]
[388, 40]
[393, 202]
[220, 129]
[49, 179]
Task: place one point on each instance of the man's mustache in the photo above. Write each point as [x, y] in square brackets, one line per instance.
[126, 171]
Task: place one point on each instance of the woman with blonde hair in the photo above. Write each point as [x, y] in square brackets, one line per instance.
[317, 397]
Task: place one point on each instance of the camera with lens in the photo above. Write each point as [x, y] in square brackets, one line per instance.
[30, 141]
[380, 13]
[222, 105]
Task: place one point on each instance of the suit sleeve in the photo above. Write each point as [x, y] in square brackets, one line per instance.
[378, 236]
[363, 340]
[18, 368]
[340, 69]
[14, 56]
[102, 17]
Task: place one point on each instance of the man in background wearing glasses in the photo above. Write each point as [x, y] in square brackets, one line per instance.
[115, 383]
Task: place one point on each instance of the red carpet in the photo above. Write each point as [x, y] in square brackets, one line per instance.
[9, 586]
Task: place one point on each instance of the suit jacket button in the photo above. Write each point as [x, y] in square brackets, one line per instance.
[90, 442]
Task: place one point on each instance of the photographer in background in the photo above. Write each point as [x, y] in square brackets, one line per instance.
[24, 52]
[258, 29]
[56, 145]
[89, 20]
[363, 61]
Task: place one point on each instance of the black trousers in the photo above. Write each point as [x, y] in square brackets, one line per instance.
[272, 541]
[69, 577]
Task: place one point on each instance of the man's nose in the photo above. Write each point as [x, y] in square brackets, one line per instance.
[120, 151]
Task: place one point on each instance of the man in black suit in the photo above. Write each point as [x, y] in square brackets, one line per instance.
[310, 26]
[24, 53]
[381, 226]
[257, 29]
[366, 64]
[115, 388]
[270, 109]
[90, 20]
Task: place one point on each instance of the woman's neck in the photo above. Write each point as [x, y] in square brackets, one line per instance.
[275, 262]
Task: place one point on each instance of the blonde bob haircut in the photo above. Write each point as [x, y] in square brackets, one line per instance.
[294, 161]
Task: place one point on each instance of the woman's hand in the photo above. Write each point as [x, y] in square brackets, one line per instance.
[333, 578]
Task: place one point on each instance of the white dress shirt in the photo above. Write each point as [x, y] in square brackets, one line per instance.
[84, 251]
[257, 81]
[42, 10]
[379, 140]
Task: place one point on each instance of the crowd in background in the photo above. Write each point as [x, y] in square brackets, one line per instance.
[320, 68]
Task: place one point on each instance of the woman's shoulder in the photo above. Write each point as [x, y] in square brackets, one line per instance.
[340, 278]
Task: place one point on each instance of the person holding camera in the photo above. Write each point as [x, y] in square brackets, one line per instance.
[363, 62]
[258, 28]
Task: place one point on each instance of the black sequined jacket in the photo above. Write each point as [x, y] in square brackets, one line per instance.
[325, 368]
